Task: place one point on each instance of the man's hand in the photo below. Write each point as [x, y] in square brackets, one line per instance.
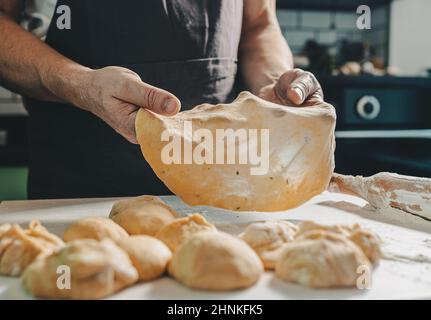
[294, 88]
[115, 95]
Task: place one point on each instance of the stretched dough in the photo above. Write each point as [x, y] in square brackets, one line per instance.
[97, 228]
[367, 240]
[215, 261]
[142, 215]
[20, 247]
[321, 259]
[300, 164]
[178, 231]
[97, 269]
[267, 239]
[149, 255]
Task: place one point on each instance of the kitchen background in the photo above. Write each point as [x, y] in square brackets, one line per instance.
[379, 80]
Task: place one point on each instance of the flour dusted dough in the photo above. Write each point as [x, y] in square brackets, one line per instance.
[20, 247]
[215, 261]
[149, 255]
[320, 259]
[142, 215]
[178, 231]
[367, 240]
[4, 228]
[301, 146]
[97, 269]
[267, 239]
[97, 228]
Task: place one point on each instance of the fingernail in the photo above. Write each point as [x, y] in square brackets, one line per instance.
[170, 106]
[299, 93]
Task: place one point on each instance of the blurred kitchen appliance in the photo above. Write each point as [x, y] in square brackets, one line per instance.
[383, 123]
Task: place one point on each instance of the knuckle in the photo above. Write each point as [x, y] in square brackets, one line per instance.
[151, 97]
[308, 74]
[124, 84]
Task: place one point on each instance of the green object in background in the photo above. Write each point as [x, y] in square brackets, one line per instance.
[13, 183]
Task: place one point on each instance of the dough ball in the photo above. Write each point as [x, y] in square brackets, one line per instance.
[215, 261]
[19, 247]
[97, 228]
[4, 228]
[149, 255]
[321, 259]
[307, 226]
[267, 239]
[97, 269]
[142, 215]
[367, 240]
[178, 231]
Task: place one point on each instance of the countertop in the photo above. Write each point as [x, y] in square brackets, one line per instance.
[405, 273]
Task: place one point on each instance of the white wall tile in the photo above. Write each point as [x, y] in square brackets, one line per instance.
[315, 19]
[327, 37]
[345, 20]
[287, 18]
[297, 38]
[379, 16]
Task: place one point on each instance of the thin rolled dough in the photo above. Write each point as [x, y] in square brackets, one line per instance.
[301, 147]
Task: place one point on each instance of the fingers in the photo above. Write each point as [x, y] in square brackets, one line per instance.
[298, 86]
[304, 86]
[128, 131]
[141, 94]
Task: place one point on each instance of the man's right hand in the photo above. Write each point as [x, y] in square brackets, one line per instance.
[115, 95]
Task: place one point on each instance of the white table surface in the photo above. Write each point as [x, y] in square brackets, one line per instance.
[406, 275]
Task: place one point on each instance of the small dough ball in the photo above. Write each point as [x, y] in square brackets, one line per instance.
[96, 228]
[321, 259]
[20, 247]
[176, 232]
[215, 261]
[149, 255]
[142, 215]
[97, 269]
[307, 226]
[267, 239]
[4, 228]
[367, 240]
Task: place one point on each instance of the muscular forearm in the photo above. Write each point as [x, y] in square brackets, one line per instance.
[30, 67]
[264, 54]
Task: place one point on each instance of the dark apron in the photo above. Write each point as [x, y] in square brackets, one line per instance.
[188, 47]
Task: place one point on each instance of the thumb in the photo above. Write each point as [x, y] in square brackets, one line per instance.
[147, 96]
[302, 87]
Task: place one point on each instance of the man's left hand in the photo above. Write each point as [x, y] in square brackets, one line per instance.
[294, 88]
